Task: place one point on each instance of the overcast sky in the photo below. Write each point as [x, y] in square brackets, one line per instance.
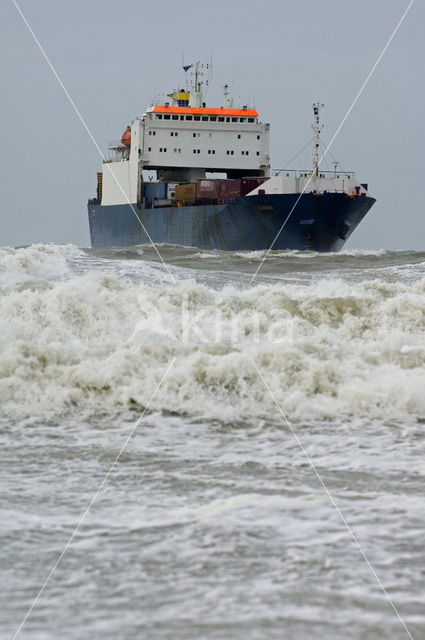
[114, 57]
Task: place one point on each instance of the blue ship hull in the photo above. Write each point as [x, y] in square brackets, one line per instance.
[319, 222]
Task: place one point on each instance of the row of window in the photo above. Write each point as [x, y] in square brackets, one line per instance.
[210, 151]
[174, 134]
[167, 116]
[243, 153]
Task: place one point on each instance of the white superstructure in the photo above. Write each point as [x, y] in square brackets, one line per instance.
[184, 140]
[308, 182]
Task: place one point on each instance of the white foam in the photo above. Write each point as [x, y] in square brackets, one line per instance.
[203, 255]
[97, 342]
[36, 262]
[259, 255]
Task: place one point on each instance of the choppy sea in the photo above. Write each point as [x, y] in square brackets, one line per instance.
[267, 435]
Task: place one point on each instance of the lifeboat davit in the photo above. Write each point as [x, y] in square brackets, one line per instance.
[126, 137]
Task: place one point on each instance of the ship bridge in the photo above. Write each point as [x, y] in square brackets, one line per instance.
[184, 140]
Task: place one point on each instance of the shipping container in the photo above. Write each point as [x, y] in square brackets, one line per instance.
[99, 185]
[171, 190]
[229, 190]
[248, 184]
[155, 190]
[185, 192]
[207, 189]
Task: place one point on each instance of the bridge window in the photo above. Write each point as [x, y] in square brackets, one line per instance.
[220, 119]
[213, 118]
[159, 116]
[175, 117]
[251, 119]
[167, 116]
[196, 117]
[188, 117]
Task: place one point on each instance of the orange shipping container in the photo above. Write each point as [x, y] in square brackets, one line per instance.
[186, 192]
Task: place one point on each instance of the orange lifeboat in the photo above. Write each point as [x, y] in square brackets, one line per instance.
[126, 137]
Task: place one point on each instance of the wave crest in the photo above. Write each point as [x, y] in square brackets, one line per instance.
[99, 342]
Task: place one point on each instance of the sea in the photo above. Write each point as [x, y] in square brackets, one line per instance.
[201, 445]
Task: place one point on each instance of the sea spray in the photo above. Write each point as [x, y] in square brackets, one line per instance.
[93, 339]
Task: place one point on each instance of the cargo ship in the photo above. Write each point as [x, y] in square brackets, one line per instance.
[188, 174]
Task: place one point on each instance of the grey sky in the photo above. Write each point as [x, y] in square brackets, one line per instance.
[114, 57]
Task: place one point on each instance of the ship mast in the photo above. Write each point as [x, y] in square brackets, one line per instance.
[228, 100]
[196, 92]
[317, 129]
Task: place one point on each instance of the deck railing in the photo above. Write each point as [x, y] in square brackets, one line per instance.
[306, 173]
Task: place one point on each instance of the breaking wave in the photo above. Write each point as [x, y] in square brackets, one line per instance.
[259, 255]
[79, 335]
